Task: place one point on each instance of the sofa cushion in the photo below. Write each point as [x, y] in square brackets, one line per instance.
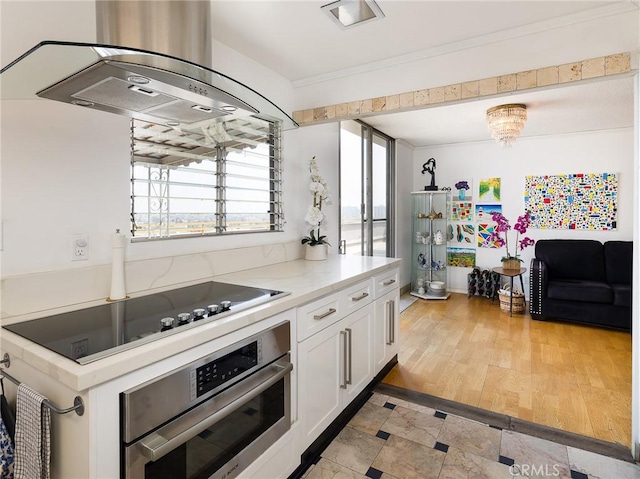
[621, 294]
[575, 259]
[577, 290]
[618, 261]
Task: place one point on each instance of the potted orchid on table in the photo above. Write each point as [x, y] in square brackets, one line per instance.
[511, 261]
[316, 243]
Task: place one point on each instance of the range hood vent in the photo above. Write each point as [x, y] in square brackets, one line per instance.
[178, 28]
[145, 80]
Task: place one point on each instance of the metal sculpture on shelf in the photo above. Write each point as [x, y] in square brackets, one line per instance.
[430, 167]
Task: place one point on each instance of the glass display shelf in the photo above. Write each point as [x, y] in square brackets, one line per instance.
[429, 278]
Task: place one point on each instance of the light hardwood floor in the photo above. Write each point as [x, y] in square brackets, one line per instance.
[567, 376]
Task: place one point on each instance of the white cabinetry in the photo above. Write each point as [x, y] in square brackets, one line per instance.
[357, 336]
[386, 329]
[335, 363]
[386, 318]
[321, 313]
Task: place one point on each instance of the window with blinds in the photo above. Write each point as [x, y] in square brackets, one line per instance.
[218, 179]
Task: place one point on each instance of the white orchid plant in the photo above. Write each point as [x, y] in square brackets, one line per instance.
[315, 217]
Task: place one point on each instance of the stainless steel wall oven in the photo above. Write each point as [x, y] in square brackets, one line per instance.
[212, 417]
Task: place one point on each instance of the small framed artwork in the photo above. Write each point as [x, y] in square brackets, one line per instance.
[483, 211]
[461, 233]
[461, 211]
[489, 190]
[485, 230]
[461, 257]
[462, 189]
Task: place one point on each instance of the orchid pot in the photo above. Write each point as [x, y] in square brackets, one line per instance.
[315, 253]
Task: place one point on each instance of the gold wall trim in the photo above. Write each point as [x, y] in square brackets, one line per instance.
[415, 100]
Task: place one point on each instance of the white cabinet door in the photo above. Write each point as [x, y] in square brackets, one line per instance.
[320, 375]
[334, 366]
[358, 327]
[386, 329]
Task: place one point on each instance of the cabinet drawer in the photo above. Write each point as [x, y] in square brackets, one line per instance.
[357, 296]
[317, 315]
[385, 282]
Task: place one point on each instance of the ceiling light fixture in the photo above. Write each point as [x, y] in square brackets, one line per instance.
[505, 122]
[349, 13]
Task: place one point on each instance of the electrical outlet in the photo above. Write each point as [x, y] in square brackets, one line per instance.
[80, 248]
[79, 349]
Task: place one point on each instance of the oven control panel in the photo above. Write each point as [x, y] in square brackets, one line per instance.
[216, 373]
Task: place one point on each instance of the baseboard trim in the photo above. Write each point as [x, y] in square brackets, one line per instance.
[614, 450]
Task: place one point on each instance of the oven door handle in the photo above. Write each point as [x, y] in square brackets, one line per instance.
[154, 446]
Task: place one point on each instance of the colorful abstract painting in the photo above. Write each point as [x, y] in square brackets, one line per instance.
[461, 211]
[461, 233]
[484, 233]
[489, 190]
[461, 257]
[483, 211]
[572, 201]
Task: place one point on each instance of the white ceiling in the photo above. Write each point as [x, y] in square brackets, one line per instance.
[299, 41]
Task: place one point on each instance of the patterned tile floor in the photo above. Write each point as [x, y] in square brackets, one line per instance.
[390, 438]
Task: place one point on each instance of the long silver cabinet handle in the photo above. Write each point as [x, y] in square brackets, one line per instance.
[389, 305]
[392, 310]
[343, 385]
[388, 282]
[358, 298]
[324, 315]
[348, 330]
[154, 446]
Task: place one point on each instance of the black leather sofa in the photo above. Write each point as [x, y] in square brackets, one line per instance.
[582, 280]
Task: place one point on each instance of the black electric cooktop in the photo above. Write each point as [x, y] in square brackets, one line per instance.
[94, 333]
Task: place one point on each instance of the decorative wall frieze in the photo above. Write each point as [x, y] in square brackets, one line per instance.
[520, 81]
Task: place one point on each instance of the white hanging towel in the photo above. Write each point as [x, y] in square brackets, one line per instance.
[33, 435]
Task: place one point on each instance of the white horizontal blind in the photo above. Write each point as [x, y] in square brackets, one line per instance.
[220, 179]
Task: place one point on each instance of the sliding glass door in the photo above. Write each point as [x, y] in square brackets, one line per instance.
[366, 190]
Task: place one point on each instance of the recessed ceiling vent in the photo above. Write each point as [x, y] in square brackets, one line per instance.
[350, 13]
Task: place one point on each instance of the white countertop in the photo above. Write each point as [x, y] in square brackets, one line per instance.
[305, 280]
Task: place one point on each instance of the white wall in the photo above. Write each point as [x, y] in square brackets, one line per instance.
[321, 141]
[590, 152]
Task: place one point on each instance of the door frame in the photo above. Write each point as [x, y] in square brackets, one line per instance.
[366, 159]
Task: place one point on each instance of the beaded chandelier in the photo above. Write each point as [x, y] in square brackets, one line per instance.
[505, 122]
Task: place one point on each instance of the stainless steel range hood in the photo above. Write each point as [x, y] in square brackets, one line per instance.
[162, 73]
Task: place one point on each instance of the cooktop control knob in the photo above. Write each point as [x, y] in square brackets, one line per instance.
[198, 314]
[212, 309]
[225, 305]
[184, 318]
[167, 323]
